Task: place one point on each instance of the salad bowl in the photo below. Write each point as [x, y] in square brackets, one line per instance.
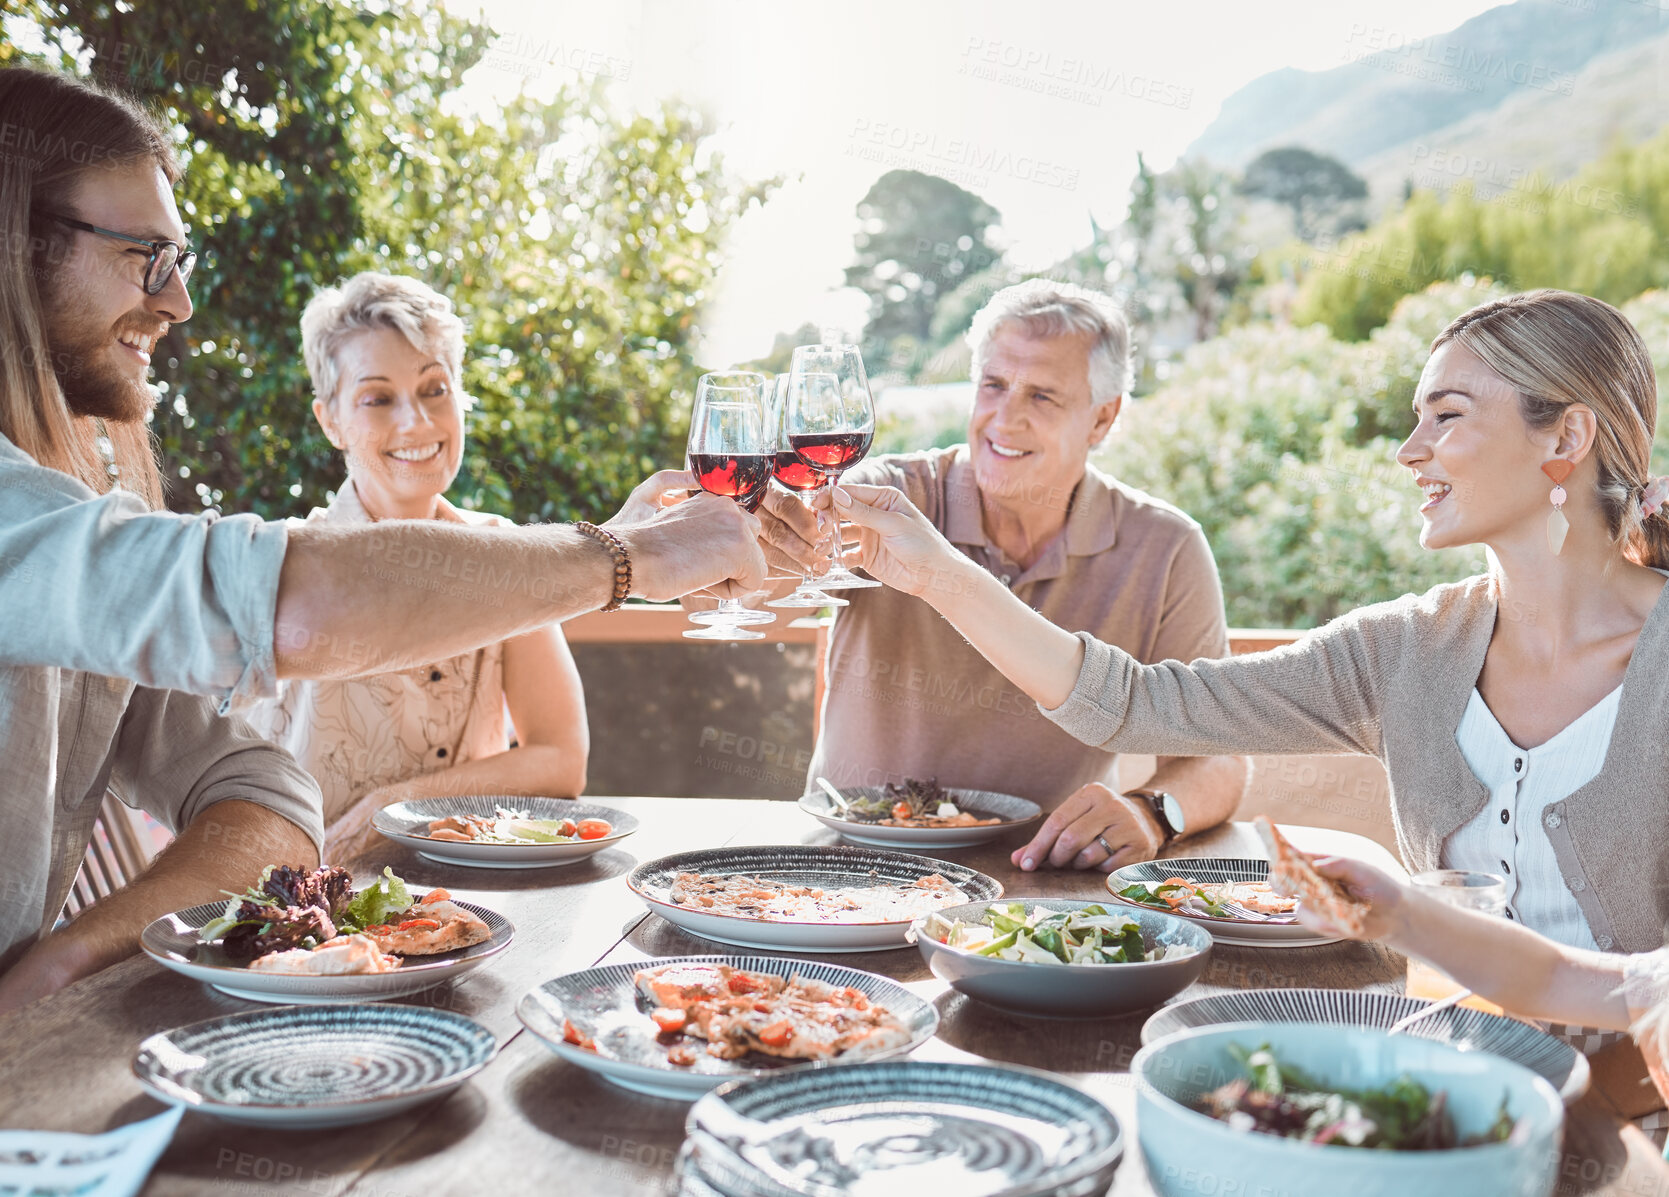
[407, 822]
[1188, 1152]
[1049, 988]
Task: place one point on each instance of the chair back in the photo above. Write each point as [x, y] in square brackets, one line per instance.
[118, 852]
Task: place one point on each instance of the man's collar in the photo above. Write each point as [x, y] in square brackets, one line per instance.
[1090, 527]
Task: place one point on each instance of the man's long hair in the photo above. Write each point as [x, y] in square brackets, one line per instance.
[54, 130]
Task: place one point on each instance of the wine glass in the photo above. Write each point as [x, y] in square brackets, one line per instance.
[831, 422]
[798, 478]
[730, 455]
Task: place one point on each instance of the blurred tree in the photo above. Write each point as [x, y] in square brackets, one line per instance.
[1321, 192]
[1604, 232]
[577, 245]
[919, 238]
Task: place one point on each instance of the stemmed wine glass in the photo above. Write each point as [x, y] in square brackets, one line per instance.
[799, 478]
[831, 422]
[730, 453]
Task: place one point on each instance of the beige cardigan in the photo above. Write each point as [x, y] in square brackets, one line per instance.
[1392, 680]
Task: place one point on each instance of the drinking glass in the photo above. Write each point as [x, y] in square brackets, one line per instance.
[831, 423]
[730, 454]
[1470, 891]
[798, 478]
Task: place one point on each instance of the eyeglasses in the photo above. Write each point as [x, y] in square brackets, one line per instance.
[166, 256]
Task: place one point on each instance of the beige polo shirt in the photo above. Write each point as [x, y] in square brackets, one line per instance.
[907, 696]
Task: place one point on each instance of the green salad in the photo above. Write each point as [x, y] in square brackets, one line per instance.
[1277, 1099]
[1092, 935]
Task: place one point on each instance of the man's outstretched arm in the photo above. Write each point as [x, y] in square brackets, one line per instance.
[368, 599]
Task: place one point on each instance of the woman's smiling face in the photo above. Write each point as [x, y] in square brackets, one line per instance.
[1474, 455]
[398, 418]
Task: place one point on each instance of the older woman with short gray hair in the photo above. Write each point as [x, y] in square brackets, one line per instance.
[385, 355]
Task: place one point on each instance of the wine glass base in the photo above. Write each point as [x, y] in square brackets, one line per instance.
[722, 632]
[735, 618]
[807, 599]
[841, 578]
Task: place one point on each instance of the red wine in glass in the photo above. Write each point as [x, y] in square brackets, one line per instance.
[795, 474]
[739, 476]
[831, 452]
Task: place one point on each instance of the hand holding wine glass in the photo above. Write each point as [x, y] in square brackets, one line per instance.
[731, 454]
[830, 421]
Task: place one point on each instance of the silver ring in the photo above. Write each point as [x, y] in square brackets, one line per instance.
[1102, 840]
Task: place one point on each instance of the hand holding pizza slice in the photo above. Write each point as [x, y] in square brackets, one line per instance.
[1322, 898]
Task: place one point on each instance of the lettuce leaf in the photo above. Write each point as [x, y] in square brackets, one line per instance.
[373, 905]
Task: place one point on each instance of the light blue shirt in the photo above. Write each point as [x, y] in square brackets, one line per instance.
[108, 612]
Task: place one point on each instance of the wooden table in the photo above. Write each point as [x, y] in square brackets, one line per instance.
[531, 1122]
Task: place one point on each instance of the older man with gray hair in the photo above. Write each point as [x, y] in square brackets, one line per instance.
[908, 697]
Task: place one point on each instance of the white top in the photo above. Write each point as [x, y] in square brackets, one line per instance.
[355, 736]
[1507, 837]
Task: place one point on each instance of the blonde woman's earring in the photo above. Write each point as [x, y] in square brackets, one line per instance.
[1557, 525]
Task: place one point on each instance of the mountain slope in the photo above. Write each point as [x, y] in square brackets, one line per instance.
[1393, 91]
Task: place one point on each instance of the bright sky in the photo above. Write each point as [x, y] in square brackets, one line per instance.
[1039, 108]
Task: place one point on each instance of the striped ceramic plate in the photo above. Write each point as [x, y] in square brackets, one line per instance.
[313, 1066]
[1565, 1068]
[604, 1003]
[1020, 1131]
[817, 867]
[1217, 870]
[172, 942]
[985, 804]
[408, 823]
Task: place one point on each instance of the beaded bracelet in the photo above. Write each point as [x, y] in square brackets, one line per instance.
[622, 561]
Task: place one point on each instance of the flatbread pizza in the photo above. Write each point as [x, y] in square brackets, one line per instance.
[1292, 873]
[434, 924]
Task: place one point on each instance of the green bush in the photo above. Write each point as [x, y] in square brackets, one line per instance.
[1604, 233]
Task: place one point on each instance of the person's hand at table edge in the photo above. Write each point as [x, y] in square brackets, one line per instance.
[1073, 834]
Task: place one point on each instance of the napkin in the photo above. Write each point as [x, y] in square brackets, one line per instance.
[56, 1164]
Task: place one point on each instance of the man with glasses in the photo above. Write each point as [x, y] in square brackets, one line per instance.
[115, 616]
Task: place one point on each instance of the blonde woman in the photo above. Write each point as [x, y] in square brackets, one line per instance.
[385, 355]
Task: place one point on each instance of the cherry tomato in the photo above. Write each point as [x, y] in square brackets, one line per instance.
[777, 1034]
[669, 1020]
[434, 895]
[594, 829]
[901, 810]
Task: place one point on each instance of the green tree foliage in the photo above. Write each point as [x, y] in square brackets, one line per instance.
[1282, 443]
[1604, 232]
[920, 237]
[1321, 192]
[578, 245]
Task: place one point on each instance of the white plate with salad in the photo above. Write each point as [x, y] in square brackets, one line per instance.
[1062, 958]
[497, 831]
[1227, 895]
[331, 928]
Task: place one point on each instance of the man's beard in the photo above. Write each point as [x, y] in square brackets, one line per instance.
[92, 385]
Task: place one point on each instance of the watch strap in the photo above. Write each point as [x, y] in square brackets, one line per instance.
[1155, 800]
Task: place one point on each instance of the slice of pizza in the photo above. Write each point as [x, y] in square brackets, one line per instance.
[1292, 873]
[433, 925]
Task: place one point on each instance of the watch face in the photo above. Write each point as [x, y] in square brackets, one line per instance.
[1173, 813]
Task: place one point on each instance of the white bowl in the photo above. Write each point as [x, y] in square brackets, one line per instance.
[1190, 1154]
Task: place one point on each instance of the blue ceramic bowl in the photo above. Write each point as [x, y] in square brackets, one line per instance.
[1188, 1153]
